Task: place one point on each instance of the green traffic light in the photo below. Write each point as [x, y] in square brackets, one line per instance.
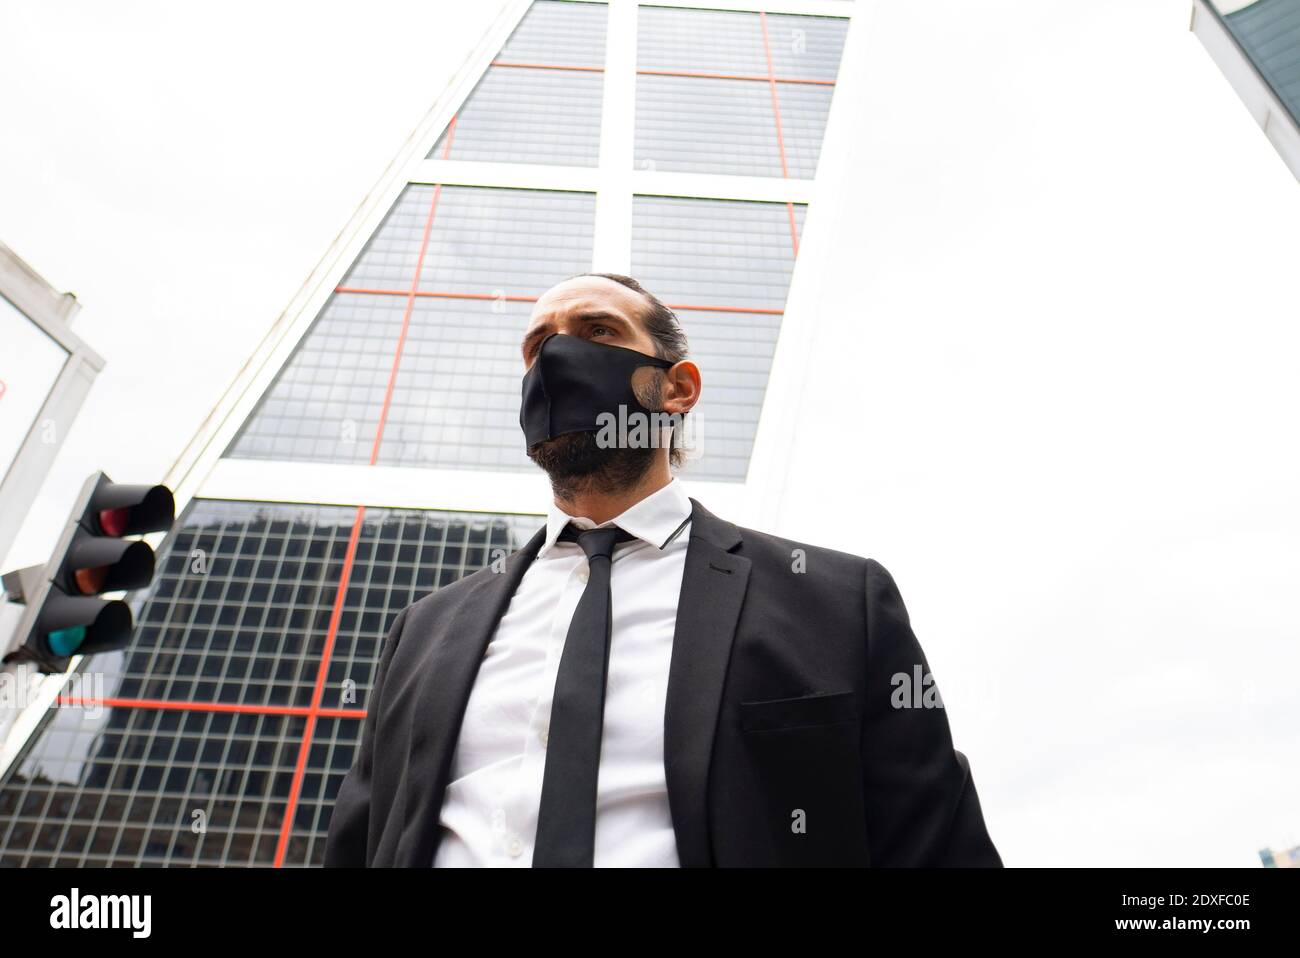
[64, 642]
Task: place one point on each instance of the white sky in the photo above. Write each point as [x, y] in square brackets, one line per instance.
[1062, 354]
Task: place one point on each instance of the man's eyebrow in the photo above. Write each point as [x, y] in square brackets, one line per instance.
[601, 315]
[534, 333]
[586, 316]
[595, 314]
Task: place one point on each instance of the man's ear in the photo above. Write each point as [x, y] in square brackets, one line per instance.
[681, 387]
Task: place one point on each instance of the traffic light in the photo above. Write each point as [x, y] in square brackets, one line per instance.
[65, 615]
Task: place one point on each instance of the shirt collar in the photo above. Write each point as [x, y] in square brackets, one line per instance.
[653, 519]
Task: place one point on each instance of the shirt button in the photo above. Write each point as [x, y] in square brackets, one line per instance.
[583, 575]
[515, 847]
[542, 736]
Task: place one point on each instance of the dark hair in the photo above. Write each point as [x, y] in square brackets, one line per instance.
[660, 321]
[664, 328]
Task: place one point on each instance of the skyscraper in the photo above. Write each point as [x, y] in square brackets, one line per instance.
[1257, 45]
[370, 452]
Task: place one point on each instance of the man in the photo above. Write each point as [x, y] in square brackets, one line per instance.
[644, 683]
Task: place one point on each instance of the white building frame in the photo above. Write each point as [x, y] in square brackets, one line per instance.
[1269, 112]
[52, 312]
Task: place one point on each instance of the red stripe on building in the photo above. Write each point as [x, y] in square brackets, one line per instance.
[189, 706]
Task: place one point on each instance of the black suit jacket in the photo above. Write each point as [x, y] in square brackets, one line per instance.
[782, 745]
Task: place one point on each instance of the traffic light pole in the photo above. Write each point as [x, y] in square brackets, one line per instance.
[32, 585]
[26, 697]
[64, 617]
[26, 693]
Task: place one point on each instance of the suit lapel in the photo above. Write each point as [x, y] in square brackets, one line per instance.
[713, 590]
[447, 678]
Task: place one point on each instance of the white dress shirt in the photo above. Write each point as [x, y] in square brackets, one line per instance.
[489, 812]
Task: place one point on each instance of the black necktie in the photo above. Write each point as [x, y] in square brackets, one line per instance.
[566, 818]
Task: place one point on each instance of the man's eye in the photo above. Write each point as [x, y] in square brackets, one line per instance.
[601, 331]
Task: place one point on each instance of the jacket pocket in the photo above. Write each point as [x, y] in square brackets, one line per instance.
[824, 708]
[803, 773]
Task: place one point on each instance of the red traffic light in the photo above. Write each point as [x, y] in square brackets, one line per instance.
[114, 522]
[119, 510]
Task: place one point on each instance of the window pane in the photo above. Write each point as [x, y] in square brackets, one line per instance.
[709, 41]
[486, 241]
[531, 115]
[1269, 31]
[553, 31]
[528, 116]
[238, 617]
[728, 117]
[694, 125]
[719, 252]
[460, 407]
[456, 399]
[695, 253]
[806, 48]
[326, 402]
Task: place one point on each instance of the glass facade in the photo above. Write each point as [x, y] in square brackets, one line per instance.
[725, 266]
[413, 361]
[223, 732]
[415, 358]
[453, 360]
[539, 100]
[1269, 33]
[221, 735]
[731, 92]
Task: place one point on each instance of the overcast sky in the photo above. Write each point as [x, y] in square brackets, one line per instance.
[1061, 353]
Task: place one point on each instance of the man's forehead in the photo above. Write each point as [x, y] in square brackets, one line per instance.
[601, 295]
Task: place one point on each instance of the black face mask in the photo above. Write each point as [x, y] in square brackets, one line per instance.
[573, 380]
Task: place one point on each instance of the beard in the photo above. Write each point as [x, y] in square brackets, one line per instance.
[576, 464]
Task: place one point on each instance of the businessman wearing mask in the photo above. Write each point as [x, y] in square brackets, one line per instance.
[645, 683]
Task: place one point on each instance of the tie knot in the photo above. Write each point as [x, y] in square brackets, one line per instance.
[595, 542]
